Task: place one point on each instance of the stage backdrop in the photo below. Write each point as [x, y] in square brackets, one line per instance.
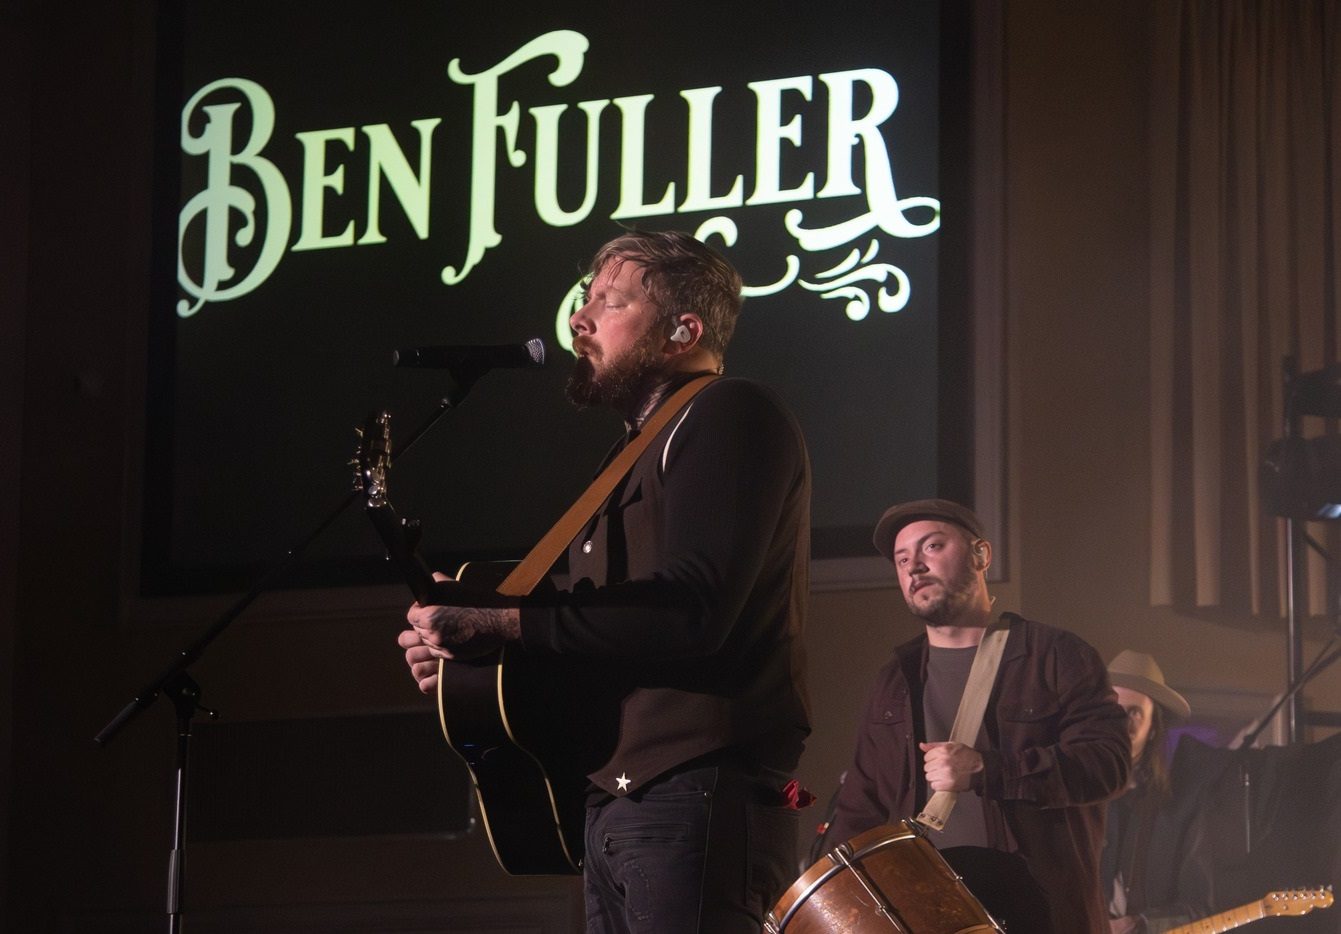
[340, 179]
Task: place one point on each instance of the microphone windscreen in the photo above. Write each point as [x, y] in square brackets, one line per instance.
[536, 347]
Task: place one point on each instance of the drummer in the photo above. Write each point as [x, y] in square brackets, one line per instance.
[1026, 825]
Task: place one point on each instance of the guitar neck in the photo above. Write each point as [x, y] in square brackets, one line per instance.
[1226, 920]
[1276, 904]
[400, 539]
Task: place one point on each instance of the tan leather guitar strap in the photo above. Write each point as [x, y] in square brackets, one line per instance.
[968, 718]
[531, 569]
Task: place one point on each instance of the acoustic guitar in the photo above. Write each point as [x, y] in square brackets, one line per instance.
[528, 730]
[1274, 905]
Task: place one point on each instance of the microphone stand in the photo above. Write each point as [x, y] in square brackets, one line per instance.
[185, 693]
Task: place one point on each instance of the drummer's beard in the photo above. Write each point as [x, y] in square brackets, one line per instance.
[947, 607]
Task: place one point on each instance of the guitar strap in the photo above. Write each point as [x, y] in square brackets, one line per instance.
[968, 718]
[532, 569]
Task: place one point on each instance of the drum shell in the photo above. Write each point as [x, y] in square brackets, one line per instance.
[905, 871]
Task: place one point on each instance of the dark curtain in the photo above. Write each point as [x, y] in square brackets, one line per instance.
[1245, 172]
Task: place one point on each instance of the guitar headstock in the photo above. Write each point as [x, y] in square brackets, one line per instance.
[372, 460]
[1297, 901]
[371, 463]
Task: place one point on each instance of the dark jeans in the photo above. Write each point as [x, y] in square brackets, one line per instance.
[704, 851]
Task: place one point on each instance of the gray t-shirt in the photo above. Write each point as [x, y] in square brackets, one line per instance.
[947, 674]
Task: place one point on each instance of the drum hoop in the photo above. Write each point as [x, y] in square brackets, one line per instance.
[837, 867]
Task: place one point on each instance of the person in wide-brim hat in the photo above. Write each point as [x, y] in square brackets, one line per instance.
[1138, 671]
[1152, 870]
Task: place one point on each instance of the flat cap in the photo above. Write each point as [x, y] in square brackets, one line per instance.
[896, 517]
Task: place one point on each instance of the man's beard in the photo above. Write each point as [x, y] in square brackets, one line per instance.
[625, 379]
[956, 594]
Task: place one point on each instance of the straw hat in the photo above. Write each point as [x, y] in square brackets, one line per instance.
[1138, 671]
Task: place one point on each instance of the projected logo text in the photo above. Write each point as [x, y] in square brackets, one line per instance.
[226, 213]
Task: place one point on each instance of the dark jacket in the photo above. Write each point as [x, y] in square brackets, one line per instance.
[690, 588]
[1157, 846]
[1057, 748]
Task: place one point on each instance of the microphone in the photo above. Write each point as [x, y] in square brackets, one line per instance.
[479, 358]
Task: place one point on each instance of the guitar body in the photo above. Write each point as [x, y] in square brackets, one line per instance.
[529, 730]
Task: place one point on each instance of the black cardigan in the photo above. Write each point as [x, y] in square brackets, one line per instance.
[690, 591]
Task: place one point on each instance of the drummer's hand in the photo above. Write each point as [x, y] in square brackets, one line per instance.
[949, 766]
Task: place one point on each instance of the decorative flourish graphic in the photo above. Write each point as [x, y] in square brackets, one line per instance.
[843, 278]
[842, 283]
[847, 274]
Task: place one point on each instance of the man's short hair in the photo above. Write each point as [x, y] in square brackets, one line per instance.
[682, 275]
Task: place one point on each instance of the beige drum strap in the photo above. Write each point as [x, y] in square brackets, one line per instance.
[968, 718]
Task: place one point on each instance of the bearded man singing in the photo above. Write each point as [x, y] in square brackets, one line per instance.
[688, 596]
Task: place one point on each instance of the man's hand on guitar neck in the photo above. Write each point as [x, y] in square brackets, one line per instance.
[448, 631]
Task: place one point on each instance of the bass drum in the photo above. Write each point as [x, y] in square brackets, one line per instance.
[885, 880]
